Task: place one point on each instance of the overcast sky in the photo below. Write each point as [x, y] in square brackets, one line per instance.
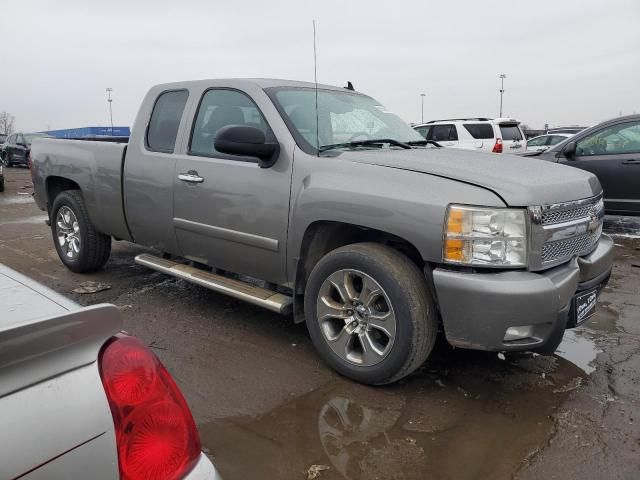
[567, 62]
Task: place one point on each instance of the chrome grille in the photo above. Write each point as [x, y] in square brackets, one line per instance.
[562, 231]
[550, 217]
[562, 249]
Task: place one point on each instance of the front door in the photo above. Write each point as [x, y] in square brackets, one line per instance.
[613, 155]
[228, 212]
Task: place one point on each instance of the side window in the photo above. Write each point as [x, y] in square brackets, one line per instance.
[443, 133]
[614, 140]
[479, 131]
[555, 139]
[165, 120]
[220, 108]
[423, 131]
[537, 142]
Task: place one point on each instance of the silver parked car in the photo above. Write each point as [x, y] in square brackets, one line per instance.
[544, 142]
[79, 400]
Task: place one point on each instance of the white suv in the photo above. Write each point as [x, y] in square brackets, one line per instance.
[495, 135]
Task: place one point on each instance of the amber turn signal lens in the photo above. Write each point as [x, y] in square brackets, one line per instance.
[454, 250]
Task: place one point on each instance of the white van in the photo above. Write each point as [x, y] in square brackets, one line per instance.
[497, 135]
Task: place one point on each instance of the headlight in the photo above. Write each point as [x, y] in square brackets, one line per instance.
[485, 236]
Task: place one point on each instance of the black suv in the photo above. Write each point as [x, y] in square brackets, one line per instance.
[16, 148]
[611, 150]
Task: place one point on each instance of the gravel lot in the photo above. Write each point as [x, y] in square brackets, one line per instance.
[268, 408]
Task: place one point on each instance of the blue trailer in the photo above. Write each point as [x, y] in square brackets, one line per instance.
[86, 132]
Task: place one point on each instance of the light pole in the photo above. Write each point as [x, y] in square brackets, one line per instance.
[110, 101]
[422, 95]
[502, 77]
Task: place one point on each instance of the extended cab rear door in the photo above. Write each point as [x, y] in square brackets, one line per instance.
[150, 166]
[228, 211]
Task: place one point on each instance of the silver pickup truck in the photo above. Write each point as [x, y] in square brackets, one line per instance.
[321, 203]
[79, 400]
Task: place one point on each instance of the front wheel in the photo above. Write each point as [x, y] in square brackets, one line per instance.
[369, 313]
[80, 247]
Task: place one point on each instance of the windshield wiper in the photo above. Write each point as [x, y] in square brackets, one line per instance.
[373, 141]
[424, 142]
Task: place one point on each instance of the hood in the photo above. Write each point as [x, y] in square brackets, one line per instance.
[517, 180]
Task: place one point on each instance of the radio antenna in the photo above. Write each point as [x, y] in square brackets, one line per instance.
[315, 80]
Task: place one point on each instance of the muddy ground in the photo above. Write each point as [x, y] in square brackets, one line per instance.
[268, 408]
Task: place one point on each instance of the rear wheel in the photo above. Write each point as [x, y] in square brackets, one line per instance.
[369, 313]
[80, 247]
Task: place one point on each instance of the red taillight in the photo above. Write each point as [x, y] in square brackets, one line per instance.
[155, 433]
[497, 148]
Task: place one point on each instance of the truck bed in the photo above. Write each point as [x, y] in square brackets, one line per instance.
[96, 166]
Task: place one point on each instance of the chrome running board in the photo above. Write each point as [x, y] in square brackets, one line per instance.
[274, 301]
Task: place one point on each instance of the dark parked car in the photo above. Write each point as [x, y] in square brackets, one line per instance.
[611, 150]
[16, 148]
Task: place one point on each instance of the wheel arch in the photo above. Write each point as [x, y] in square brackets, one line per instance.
[323, 236]
[55, 185]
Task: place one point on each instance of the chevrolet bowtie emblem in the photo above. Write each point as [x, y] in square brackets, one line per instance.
[594, 223]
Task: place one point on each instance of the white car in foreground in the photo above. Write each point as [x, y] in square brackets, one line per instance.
[81, 400]
[544, 142]
[497, 135]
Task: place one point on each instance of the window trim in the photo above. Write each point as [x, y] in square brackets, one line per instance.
[220, 155]
[155, 103]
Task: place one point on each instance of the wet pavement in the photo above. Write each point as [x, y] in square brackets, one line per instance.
[268, 408]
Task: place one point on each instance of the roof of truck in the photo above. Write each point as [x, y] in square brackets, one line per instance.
[260, 82]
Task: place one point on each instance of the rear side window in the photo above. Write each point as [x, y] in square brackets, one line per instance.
[510, 132]
[443, 133]
[479, 130]
[165, 120]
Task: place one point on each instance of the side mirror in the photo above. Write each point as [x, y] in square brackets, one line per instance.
[569, 150]
[248, 141]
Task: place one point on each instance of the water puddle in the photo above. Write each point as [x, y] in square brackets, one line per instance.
[579, 349]
[464, 415]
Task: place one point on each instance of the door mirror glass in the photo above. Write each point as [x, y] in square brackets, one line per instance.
[569, 150]
[248, 141]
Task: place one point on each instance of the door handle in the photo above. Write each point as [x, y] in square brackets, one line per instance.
[633, 161]
[191, 176]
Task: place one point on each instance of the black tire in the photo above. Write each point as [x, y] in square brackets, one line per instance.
[404, 285]
[95, 247]
[1, 184]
